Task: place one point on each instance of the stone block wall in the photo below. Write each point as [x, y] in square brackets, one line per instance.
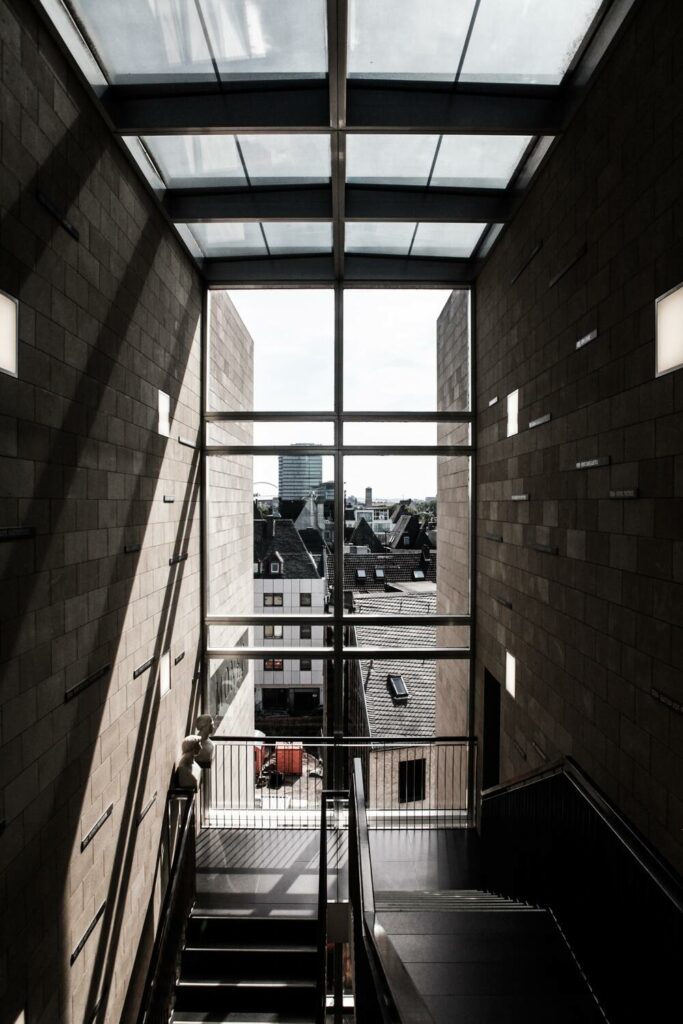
[594, 580]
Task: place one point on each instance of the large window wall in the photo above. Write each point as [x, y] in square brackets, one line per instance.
[338, 527]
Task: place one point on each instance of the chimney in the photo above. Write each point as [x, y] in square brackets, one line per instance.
[368, 497]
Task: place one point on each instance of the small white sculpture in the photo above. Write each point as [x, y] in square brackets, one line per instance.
[204, 727]
[188, 772]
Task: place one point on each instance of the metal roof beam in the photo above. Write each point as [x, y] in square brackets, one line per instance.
[359, 269]
[304, 105]
[310, 202]
[427, 204]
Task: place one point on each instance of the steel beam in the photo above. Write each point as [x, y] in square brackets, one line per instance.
[359, 269]
[305, 203]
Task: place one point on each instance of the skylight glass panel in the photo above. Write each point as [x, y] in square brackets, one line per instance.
[386, 237]
[187, 161]
[144, 162]
[229, 239]
[62, 20]
[286, 159]
[390, 159]
[267, 38]
[530, 41]
[147, 42]
[405, 39]
[478, 161]
[446, 240]
[298, 236]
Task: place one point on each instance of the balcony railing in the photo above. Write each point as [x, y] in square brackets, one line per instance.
[277, 782]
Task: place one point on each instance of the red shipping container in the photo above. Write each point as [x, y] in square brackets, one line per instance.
[259, 757]
[289, 758]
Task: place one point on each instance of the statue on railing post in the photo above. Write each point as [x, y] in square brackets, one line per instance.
[188, 772]
[204, 727]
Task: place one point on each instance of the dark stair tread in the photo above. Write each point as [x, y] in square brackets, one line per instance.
[240, 1017]
[187, 984]
[234, 947]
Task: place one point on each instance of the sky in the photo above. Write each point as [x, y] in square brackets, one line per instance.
[389, 364]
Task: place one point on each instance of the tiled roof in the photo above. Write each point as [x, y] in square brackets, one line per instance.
[398, 567]
[386, 716]
[363, 534]
[279, 537]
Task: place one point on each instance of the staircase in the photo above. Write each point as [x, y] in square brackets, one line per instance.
[242, 968]
[475, 956]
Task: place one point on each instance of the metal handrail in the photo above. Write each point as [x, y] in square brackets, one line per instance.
[157, 960]
[327, 794]
[399, 1000]
[622, 829]
[346, 741]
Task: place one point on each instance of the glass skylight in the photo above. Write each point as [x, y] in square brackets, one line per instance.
[406, 39]
[179, 40]
[210, 161]
[377, 236]
[246, 238]
[390, 159]
[478, 161]
[526, 40]
[395, 238]
[446, 240]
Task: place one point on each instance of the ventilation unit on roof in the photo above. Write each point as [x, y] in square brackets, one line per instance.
[399, 690]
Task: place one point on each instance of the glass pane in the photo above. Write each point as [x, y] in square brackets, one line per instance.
[267, 38]
[285, 341]
[186, 161]
[418, 542]
[286, 159]
[405, 39]
[478, 161]
[270, 530]
[294, 237]
[399, 343]
[145, 42]
[448, 240]
[244, 432]
[142, 159]
[390, 159]
[63, 22]
[526, 40]
[406, 433]
[391, 238]
[229, 238]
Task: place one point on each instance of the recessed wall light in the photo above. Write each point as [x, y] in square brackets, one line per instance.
[513, 409]
[9, 334]
[164, 414]
[669, 331]
[165, 673]
[510, 673]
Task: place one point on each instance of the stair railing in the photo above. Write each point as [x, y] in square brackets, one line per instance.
[383, 989]
[157, 1000]
[321, 991]
[553, 838]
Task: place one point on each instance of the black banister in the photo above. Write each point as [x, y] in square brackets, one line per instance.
[327, 794]
[178, 899]
[383, 988]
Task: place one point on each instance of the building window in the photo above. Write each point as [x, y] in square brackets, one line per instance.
[305, 664]
[669, 331]
[256, 568]
[272, 632]
[305, 600]
[304, 632]
[510, 673]
[272, 600]
[411, 781]
[275, 567]
[361, 574]
[406, 540]
[513, 411]
[379, 574]
[399, 690]
[418, 574]
[9, 334]
[272, 665]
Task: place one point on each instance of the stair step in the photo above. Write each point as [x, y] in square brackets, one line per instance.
[243, 1017]
[249, 964]
[214, 930]
[449, 900]
[288, 997]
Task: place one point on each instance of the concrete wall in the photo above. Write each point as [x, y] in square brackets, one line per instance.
[595, 622]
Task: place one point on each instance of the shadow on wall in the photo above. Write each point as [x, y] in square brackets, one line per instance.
[39, 948]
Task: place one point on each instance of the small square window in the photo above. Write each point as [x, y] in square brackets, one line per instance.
[399, 690]
[305, 600]
[418, 574]
[275, 567]
[164, 414]
[272, 600]
[304, 632]
[379, 574]
[272, 632]
[513, 411]
[305, 664]
[669, 331]
[406, 540]
[273, 665]
[510, 673]
[361, 574]
[9, 334]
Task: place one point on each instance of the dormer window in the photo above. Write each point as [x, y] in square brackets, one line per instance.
[361, 574]
[398, 688]
[257, 568]
[275, 568]
[406, 540]
[379, 574]
[418, 574]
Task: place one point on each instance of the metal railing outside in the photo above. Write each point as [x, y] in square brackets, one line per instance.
[277, 782]
[157, 1001]
[334, 808]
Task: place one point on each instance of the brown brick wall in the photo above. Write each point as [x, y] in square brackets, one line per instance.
[596, 627]
[105, 322]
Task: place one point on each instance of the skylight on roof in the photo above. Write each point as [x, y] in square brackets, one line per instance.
[399, 690]
[246, 238]
[406, 239]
